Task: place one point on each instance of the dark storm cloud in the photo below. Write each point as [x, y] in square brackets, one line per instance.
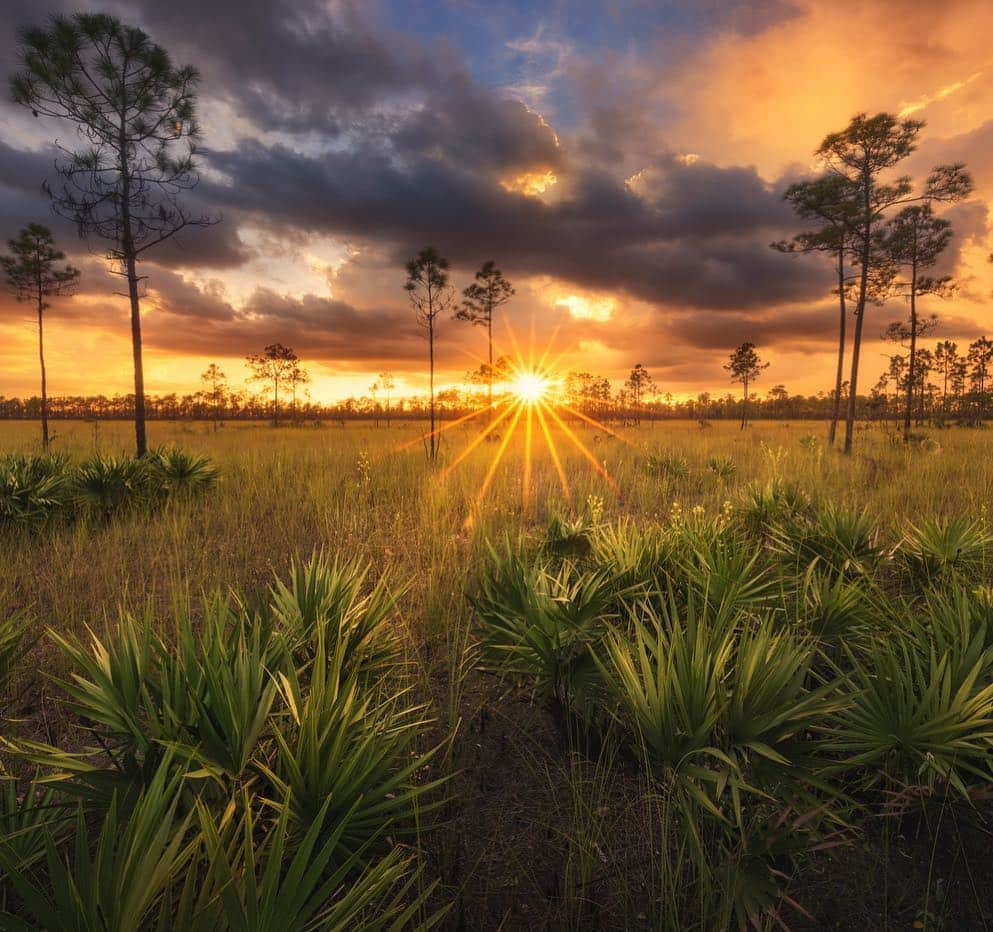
[193, 320]
[23, 201]
[698, 235]
[387, 139]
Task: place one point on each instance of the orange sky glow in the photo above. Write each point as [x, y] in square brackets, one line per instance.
[744, 104]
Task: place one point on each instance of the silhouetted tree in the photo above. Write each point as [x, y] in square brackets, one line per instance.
[915, 238]
[298, 377]
[385, 383]
[946, 358]
[860, 154]
[275, 364]
[979, 361]
[831, 201]
[640, 384]
[480, 300]
[215, 383]
[32, 276]
[135, 112]
[430, 295]
[745, 367]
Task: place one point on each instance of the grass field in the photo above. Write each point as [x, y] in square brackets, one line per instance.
[538, 831]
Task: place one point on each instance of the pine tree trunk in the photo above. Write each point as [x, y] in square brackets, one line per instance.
[431, 446]
[912, 370]
[130, 260]
[44, 383]
[489, 381]
[839, 376]
[141, 443]
[853, 382]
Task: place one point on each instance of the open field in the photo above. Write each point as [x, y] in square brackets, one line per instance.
[542, 826]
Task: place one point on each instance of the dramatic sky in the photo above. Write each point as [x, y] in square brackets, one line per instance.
[623, 161]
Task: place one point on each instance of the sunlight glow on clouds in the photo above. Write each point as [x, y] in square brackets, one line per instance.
[909, 109]
[632, 213]
[597, 309]
[530, 183]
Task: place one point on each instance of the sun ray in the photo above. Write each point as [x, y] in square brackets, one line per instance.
[440, 430]
[595, 423]
[543, 362]
[600, 468]
[533, 391]
[554, 453]
[528, 435]
[484, 488]
[477, 440]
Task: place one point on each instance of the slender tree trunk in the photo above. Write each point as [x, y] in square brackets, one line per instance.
[141, 443]
[866, 250]
[432, 447]
[275, 402]
[912, 369]
[130, 258]
[489, 381]
[839, 376]
[744, 404]
[41, 359]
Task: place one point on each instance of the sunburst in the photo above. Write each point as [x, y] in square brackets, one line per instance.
[529, 398]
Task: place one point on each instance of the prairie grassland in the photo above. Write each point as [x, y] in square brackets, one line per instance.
[534, 836]
[368, 491]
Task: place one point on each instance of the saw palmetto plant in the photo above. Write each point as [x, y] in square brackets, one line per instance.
[249, 769]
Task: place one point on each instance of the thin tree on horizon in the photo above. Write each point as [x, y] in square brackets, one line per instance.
[915, 240]
[215, 380]
[276, 364]
[639, 383]
[133, 110]
[480, 301]
[32, 276]
[430, 296]
[831, 201]
[745, 367]
[387, 384]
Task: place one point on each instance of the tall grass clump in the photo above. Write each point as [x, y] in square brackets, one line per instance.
[40, 491]
[771, 692]
[252, 768]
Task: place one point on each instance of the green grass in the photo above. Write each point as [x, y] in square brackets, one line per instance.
[532, 834]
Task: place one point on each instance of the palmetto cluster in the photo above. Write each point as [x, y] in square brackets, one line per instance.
[257, 768]
[775, 678]
[39, 491]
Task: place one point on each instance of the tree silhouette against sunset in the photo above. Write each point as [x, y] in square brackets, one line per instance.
[135, 112]
[33, 274]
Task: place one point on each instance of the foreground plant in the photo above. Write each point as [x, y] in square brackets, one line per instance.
[536, 625]
[941, 548]
[252, 769]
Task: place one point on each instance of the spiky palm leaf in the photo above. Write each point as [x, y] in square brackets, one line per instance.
[113, 880]
[106, 485]
[174, 471]
[940, 547]
[263, 875]
[33, 490]
[344, 754]
[325, 599]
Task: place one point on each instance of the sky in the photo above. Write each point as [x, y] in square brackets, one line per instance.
[622, 161]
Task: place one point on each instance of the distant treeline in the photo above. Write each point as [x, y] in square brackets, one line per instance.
[884, 402]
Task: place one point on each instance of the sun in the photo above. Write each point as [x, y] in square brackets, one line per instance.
[530, 387]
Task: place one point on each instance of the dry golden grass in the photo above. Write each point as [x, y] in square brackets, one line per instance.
[368, 491]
